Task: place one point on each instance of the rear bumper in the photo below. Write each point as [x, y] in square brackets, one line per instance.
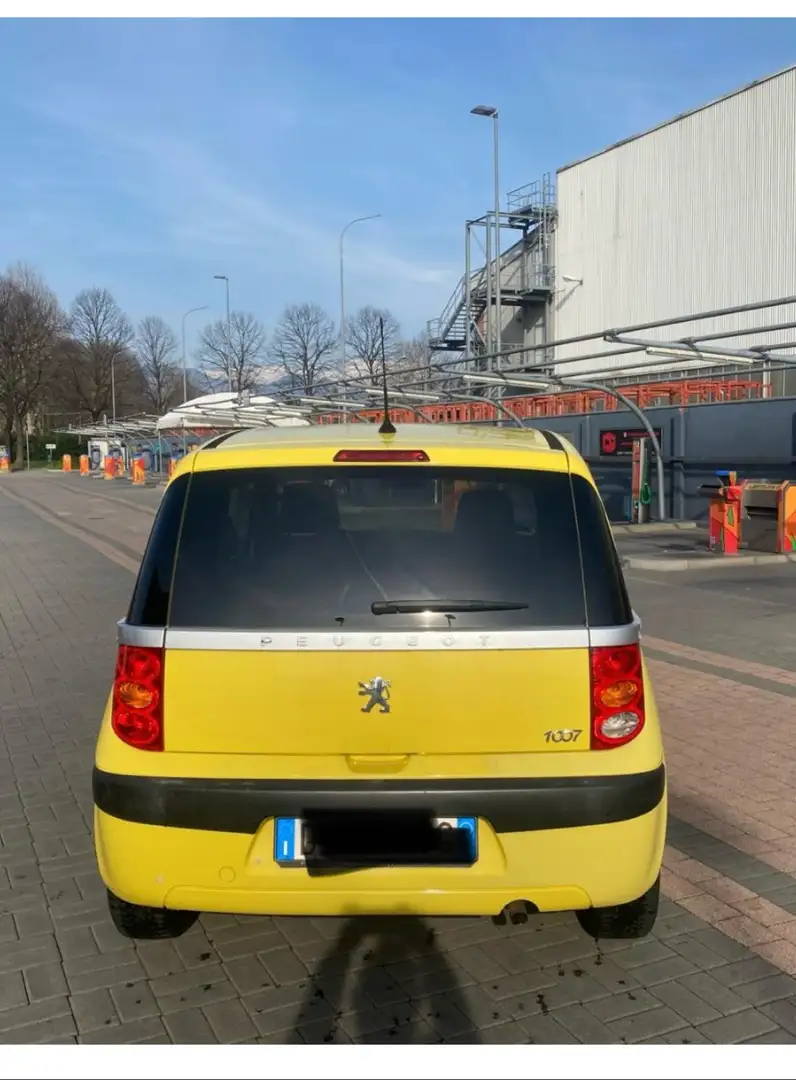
[509, 806]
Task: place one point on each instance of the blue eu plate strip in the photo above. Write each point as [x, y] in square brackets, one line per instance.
[288, 847]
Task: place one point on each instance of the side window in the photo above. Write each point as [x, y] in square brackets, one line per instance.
[150, 603]
[606, 596]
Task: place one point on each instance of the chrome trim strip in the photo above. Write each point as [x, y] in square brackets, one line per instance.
[616, 635]
[422, 641]
[144, 636]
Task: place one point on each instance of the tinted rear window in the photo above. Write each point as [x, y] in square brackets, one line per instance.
[313, 549]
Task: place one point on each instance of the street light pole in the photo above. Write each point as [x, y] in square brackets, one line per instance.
[184, 358]
[368, 217]
[492, 113]
[225, 279]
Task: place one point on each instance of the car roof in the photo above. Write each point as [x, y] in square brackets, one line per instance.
[446, 444]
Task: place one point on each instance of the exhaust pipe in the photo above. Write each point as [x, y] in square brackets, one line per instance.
[518, 911]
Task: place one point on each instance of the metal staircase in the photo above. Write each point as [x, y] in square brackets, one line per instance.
[449, 331]
[532, 211]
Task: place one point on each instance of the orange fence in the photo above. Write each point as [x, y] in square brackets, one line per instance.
[536, 406]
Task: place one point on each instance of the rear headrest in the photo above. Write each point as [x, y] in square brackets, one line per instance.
[485, 512]
[308, 508]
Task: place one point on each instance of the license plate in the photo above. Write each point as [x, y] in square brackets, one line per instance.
[289, 838]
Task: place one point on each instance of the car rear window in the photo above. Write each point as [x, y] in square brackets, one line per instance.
[317, 548]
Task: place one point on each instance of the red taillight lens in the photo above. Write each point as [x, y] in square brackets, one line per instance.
[617, 695]
[137, 711]
[381, 455]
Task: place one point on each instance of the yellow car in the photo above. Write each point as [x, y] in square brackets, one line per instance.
[368, 673]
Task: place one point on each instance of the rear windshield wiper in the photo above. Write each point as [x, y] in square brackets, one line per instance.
[417, 607]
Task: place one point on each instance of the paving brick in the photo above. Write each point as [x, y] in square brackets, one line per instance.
[705, 986]
[93, 1009]
[283, 966]
[182, 981]
[197, 996]
[448, 1018]
[621, 1005]
[140, 1031]
[247, 974]
[649, 1024]
[763, 991]
[134, 1001]
[738, 1028]
[230, 1021]
[30, 1015]
[12, 990]
[693, 1009]
[545, 1030]
[58, 1029]
[744, 971]
[782, 1013]
[45, 981]
[583, 1026]
[32, 922]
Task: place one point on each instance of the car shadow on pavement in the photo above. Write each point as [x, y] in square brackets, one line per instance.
[383, 980]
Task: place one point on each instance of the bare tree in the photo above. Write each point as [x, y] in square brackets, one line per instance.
[30, 322]
[413, 365]
[233, 353]
[103, 360]
[302, 345]
[156, 346]
[363, 340]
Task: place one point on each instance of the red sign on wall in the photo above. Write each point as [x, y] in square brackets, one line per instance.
[618, 442]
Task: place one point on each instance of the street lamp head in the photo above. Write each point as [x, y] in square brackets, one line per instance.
[220, 277]
[484, 110]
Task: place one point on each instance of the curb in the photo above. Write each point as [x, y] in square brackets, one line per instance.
[653, 528]
[706, 562]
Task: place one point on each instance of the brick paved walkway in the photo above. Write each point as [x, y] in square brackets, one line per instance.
[718, 968]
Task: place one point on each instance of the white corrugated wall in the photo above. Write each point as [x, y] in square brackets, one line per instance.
[696, 215]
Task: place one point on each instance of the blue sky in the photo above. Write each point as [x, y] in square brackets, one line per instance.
[148, 155]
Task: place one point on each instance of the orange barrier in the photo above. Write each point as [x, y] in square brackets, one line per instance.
[109, 467]
[139, 472]
[66, 463]
[119, 466]
[172, 466]
[3, 462]
[84, 465]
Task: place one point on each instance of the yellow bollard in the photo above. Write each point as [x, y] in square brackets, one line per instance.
[84, 465]
[66, 463]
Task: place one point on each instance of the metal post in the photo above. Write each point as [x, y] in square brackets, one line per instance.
[498, 305]
[468, 300]
[489, 323]
[225, 279]
[229, 336]
[355, 221]
[113, 385]
[184, 357]
[634, 408]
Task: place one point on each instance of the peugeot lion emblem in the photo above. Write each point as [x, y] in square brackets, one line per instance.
[378, 693]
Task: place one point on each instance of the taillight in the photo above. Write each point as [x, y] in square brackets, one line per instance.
[381, 455]
[137, 712]
[617, 695]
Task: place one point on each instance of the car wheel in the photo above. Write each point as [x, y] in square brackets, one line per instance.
[148, 923]
[632, 920]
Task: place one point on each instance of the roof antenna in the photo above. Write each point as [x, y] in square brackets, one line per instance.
[387, 426]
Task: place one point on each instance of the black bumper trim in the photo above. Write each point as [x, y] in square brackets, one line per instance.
[516, 805]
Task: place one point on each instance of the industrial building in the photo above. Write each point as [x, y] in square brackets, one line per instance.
[694, 215]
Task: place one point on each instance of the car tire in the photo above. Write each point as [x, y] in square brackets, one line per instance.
[148, 923]
[632, 920]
